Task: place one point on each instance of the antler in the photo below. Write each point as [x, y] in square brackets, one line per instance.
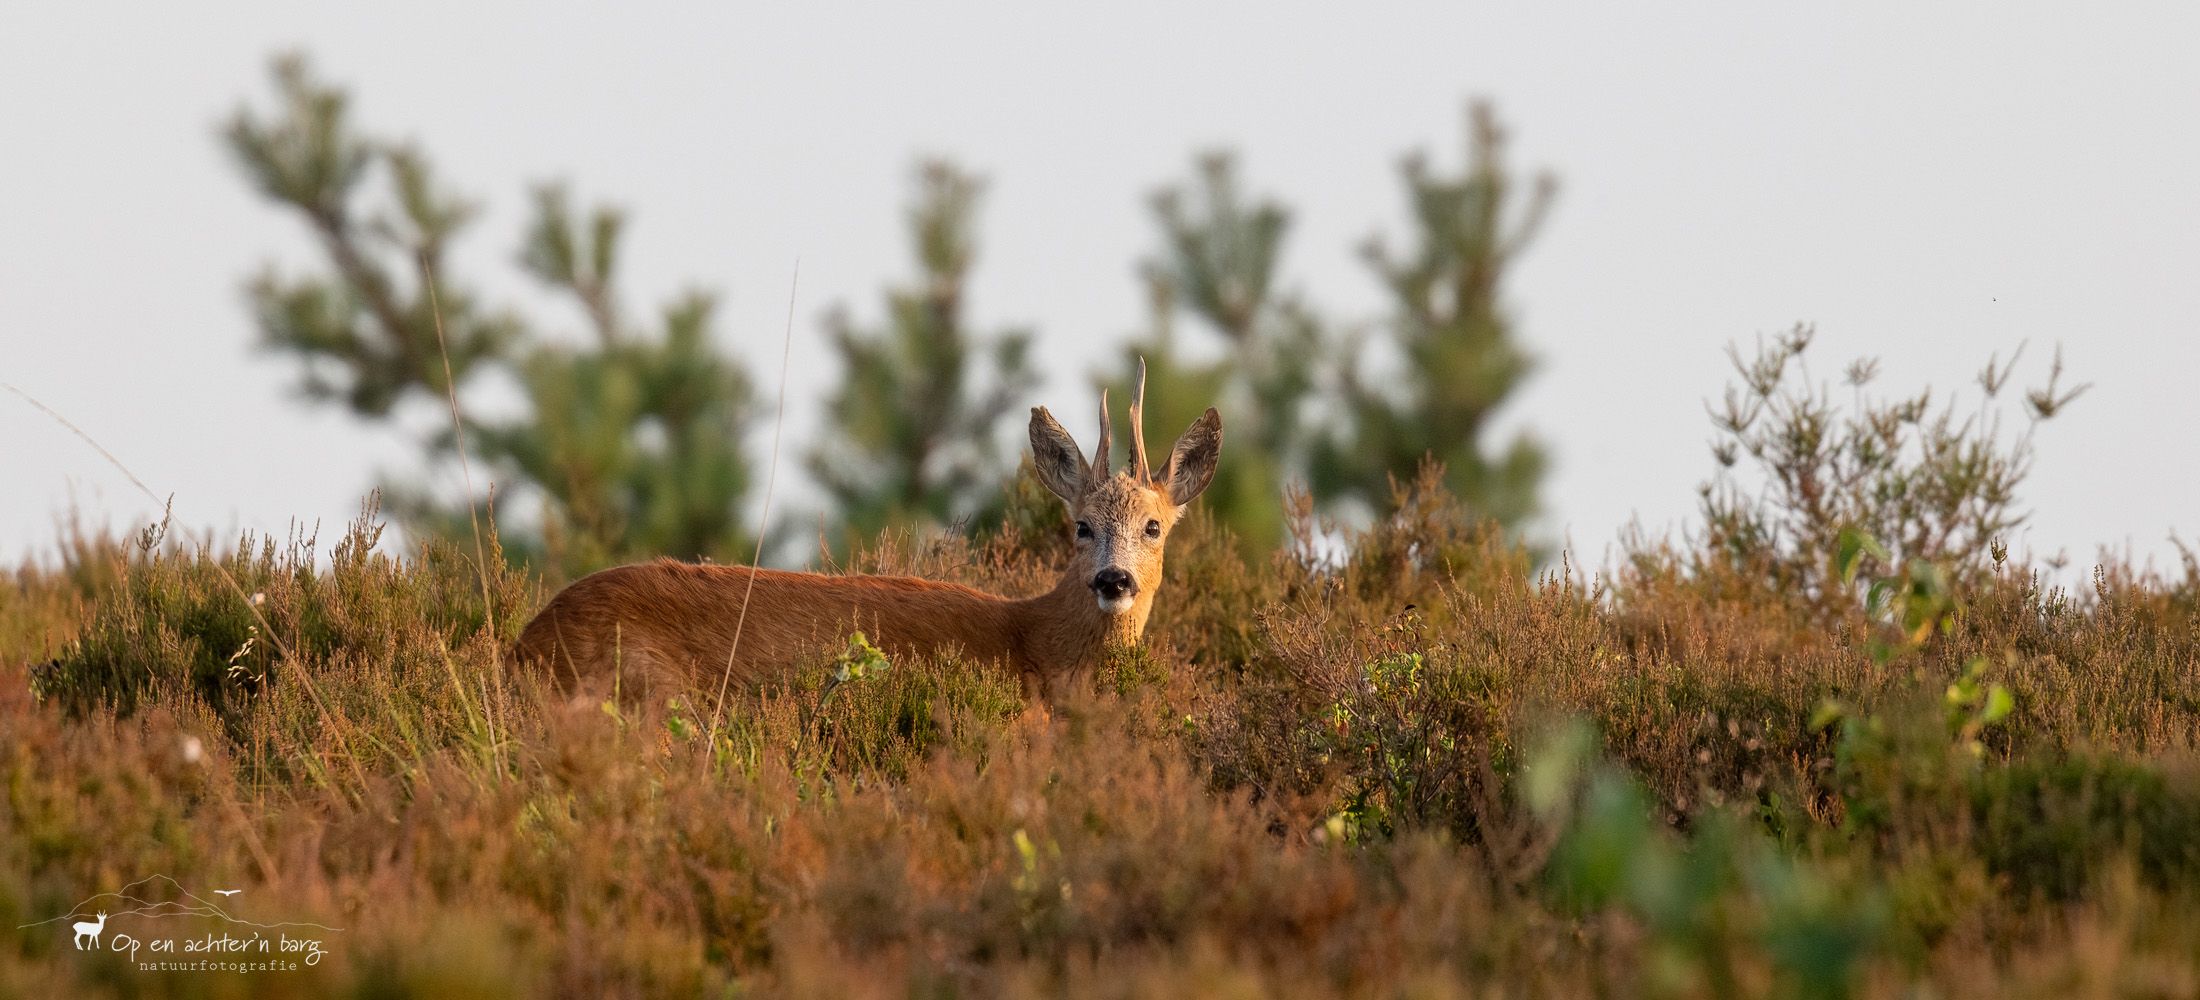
[1100, 454]
[1140, 471]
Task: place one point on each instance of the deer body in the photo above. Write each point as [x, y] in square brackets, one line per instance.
[687, 624]
[669, 620]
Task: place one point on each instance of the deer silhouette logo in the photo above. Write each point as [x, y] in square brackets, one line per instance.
[90, 929]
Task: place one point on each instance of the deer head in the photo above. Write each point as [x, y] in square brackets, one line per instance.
[1123, 518]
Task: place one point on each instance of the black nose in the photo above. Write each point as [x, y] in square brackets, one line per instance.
[1112, 583]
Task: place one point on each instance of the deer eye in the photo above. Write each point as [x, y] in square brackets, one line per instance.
[1153, 529]
[1084, 530]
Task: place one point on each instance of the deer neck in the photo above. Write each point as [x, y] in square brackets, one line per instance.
[1064, 629]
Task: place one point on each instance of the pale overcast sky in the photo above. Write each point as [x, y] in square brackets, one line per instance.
[1931, 184]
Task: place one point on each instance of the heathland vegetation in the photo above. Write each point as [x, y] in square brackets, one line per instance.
[1759, 760]
[1836, 739]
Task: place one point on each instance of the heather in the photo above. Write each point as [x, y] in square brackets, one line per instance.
[1413, 764]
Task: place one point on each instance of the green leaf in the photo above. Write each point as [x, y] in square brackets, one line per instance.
[1554, 770]
[1999, 703]
[1875, 601]
[1829, 711]
[1850, 549]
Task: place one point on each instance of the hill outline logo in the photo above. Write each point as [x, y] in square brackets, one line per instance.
[235, 945]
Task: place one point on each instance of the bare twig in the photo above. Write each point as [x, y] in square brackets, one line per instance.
[771, 482]
[465, 468]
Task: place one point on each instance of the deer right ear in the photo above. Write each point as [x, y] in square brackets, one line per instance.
[1054, 455]
[1192, 462]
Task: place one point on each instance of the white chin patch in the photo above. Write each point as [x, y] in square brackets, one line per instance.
[1114, 605]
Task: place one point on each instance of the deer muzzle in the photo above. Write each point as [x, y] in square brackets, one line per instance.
[1115, 588]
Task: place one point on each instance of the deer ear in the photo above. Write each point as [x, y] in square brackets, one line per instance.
[1054, 455]
[1192, 462]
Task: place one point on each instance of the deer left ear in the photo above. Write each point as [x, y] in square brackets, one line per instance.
[1192, 462]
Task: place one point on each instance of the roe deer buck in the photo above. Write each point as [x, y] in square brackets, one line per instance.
[683, 622]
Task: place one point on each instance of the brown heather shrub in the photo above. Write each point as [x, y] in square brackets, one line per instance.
[1346, 770]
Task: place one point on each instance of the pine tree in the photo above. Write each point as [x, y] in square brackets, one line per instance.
[1460, 362]
[913, 429]
[635, 441]
[1220, 249]
[367, 332]
[631, 444]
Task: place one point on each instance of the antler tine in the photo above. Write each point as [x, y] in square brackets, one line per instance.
[1139, 469]
[1100, 454]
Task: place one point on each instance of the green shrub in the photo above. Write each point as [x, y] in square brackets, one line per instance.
[2055, 827]
[287, 653]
